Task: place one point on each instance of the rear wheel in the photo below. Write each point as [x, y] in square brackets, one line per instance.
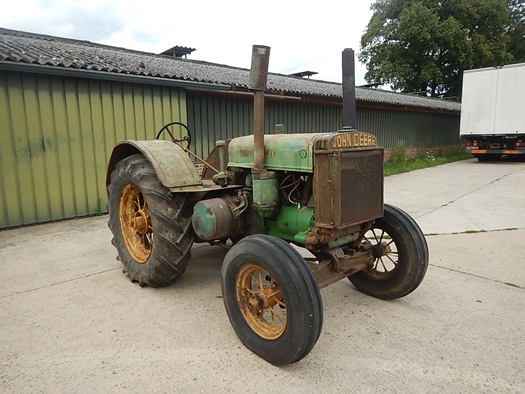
[489, 157]
[402, 263]
[272, 299]
[151, 226]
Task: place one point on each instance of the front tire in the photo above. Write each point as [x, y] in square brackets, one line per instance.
[151, 226]
[400, 270]
[272, 299]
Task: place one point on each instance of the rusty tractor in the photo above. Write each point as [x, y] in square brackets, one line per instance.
[264, 197]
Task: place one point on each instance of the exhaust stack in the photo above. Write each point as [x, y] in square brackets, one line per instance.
[264, 182]
[349, 110]
[258, 79]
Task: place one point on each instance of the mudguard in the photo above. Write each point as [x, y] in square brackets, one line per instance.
[174, 169]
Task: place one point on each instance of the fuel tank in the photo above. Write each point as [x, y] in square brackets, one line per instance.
[295, 152]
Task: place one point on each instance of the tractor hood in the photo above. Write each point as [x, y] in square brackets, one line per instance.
[295, 152]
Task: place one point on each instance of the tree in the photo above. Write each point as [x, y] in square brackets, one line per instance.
[516, 31]
[425, 45]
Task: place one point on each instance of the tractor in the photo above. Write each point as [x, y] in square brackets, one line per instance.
[297, 212]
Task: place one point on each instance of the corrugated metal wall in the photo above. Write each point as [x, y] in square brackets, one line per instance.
[409, 129]
[56, 136]
[214, 117]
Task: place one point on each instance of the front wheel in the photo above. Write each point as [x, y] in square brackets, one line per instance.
[401, 266]
[272, 299]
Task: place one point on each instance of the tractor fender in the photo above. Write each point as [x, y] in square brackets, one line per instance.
[174, 169]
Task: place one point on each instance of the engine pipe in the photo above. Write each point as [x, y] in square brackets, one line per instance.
[258, 79]
[349, 106]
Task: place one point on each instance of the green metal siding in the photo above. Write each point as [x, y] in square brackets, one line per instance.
[213, 117]
[56, 136]
[409, 129]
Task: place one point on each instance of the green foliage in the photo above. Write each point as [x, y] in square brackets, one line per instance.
[98, 209]
[399, 162]
[425, 45]
[516, 30]
[398, 155]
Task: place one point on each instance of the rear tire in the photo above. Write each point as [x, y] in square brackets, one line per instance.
[399, 272]
[489, 157]
[272, 299]
[151, 226]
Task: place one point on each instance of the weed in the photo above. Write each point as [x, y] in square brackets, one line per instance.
[399, 155]
[98, 208]
[399, 162]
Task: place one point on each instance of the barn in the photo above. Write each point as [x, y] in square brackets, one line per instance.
[65, 103]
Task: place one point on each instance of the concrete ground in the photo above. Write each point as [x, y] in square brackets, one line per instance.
[71, 322]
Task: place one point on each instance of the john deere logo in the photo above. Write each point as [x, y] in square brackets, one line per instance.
[353, 140]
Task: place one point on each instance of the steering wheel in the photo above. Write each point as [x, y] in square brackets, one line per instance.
[186, 138]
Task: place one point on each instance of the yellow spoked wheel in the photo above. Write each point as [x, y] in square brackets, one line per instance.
[272, 299]
[261, 301]
[135, 223]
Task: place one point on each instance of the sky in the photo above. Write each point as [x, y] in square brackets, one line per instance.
[303, 35]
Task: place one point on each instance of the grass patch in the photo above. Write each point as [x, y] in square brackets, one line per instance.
[399, 162]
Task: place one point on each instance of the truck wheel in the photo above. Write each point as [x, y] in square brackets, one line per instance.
[151, 226]
[489, 157]
[272, 299]
[399, 271]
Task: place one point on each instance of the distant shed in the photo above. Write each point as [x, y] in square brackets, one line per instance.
[65, 103]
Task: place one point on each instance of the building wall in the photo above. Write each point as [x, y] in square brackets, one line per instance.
[57, 133]
[409, 129]
[56, 136]
[215, 117]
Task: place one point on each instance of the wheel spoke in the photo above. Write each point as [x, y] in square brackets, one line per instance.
[383, 264]
[261, 281]
[393, 261]
[148, 240]
[256, 280]
[276, 315]
[375, 235]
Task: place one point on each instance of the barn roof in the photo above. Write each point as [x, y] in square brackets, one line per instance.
[44, 50]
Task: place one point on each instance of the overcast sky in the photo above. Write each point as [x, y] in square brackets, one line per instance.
[302, 35]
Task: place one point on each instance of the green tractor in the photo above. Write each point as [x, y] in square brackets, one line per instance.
[297, 212]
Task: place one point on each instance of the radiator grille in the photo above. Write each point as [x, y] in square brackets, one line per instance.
[348, 187]
[361, 186]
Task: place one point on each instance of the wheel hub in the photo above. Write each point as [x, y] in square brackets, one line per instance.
[264, 299]
[141, 223]
[380, 250]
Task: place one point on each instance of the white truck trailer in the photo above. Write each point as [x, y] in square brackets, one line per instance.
[493, 112]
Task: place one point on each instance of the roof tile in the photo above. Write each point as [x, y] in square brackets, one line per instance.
[25, 47]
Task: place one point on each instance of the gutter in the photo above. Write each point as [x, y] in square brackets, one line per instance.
[107, 76]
